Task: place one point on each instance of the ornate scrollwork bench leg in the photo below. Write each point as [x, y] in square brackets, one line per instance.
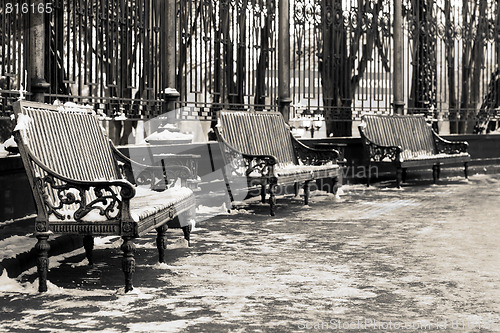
[187, 233]
[296, 188]
[399, 176]
[403, 176]
[128, 263]
[263, 193]
[368, 174]
[272, 197]
[161, 242]
[191, 217]
[88, 244]
[42, 247]
[435, 173]
[335, 184]
[306, 192]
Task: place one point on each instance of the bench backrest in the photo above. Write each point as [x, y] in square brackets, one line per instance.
[71, 144]
[411, 133]
[257, 133]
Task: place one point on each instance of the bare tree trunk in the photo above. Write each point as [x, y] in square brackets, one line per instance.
[466, 70]
[450, 60]
[334, 67]
[263, 63]
[478, 54]
[472, 60]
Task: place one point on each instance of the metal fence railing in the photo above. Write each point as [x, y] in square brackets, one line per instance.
[111, 54]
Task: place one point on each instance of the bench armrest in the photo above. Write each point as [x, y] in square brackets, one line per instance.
[379, 153]
[449, 147]
[313, 156]
[259, 165]
[76, 198]
[149, 173]
[242, 164]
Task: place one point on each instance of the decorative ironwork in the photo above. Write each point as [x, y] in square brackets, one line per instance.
[243, 165]
[379, 153]
[128, 262]
[311, 156]
[42, 247]
[159, 175]
[108, 197]
[450, 147]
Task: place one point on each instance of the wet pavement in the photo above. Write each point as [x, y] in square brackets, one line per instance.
[417, 259]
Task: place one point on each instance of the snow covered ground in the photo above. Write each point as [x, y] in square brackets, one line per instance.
[423, 258]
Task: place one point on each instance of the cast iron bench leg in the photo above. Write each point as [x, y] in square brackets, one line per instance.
[296, 188]
[42, 247]
[334, 185]
[306, 192]
[399, 176]
[231, 197]
[369, 175]
[128, 263]
[161, 242]
[403, 176]
[263, 193]
[435, 173]
[466, 170]
[88, 244]
[187, 234]
[272, 199]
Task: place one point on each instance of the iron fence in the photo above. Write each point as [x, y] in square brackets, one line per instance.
[227, 54]
[13, 62]
[111, 54]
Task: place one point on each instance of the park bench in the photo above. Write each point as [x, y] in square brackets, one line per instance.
[407, 142]
[259, 150]
[82, 185]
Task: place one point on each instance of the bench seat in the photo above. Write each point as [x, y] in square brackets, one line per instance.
[308, 172]
[408, 142]
[422, 160]
[151, 208]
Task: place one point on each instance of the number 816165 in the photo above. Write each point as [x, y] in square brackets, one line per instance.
[26, 8]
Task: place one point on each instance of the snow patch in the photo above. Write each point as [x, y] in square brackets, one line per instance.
[7, 222]
[15, 245]
[211, 210]
[167, 135]
[134, 294]
[23, 122]
[162, 265]
[350, 292]
[166, 326]
[8, 285]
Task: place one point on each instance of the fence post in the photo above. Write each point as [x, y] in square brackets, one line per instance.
[284, 98]
[398, 59]
[169, 93]
[36, 50]
[169, 21]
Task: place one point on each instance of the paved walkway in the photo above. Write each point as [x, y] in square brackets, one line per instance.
[423, 258]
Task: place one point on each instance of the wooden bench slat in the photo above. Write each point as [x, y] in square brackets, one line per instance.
[58, 142]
